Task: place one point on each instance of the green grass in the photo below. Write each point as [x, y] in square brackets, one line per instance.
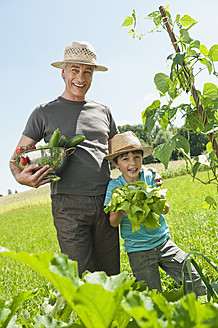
[31, 229]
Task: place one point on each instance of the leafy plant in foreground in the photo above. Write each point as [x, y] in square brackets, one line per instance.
[102, 301]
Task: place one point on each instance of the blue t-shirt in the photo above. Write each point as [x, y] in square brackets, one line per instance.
[142, 239]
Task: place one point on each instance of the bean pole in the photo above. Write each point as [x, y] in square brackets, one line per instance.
[187, 76]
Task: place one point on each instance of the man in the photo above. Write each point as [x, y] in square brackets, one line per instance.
[83, 229]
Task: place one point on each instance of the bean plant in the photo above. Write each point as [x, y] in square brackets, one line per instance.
[190, 57]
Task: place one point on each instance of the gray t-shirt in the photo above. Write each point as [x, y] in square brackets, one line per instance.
[86, 172]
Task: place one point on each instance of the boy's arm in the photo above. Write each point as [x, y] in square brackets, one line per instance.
[116, 218]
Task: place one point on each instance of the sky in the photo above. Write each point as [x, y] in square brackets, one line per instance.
[34, 34]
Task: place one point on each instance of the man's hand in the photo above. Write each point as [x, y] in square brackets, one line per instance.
[158, 177]
[33, 176]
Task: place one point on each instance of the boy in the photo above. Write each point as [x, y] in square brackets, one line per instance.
[147, 249]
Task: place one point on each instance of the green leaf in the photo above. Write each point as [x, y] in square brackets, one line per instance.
[195, 169]
[7, 313]
[96, 306]
[211, 201]
[195, 121]
[195, 44]
[206, 62]
[128, 21]
[163, 152]
[178, 58]
[209, 146]
[143, 309]
[150, 115]
[184, 36]
[182, 142]
[203, 50]
[210, 127]
[173, 295]
[41, 263]
[213, 53]
[210, 91]
[108, 283]
[49, 322]
[162, 82]
[186, 20]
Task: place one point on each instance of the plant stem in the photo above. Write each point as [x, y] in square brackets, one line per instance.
[187, 76]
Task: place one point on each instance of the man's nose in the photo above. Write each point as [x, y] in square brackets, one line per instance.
[81, 76]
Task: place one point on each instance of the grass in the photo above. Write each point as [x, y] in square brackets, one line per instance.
[25, 199]
[26, 224]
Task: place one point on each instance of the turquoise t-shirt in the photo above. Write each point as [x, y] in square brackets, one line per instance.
[143, 239]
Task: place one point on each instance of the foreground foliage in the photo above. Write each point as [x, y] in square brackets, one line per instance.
[100, 301]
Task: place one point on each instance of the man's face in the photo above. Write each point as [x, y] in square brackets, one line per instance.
[78, 78]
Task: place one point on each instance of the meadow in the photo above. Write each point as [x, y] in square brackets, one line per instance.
[26, 224]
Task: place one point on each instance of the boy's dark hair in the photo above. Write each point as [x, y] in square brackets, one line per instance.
[124, 154]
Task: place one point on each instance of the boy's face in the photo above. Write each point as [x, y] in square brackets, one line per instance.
[130, 164]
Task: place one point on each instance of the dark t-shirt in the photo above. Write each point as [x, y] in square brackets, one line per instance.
[86, 172]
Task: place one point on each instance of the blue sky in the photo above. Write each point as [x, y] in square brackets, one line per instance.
[34, 34]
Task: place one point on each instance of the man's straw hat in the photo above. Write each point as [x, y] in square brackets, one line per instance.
[124, 142]
[80, 52]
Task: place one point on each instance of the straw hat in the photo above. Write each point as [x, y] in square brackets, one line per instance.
[124, 142]
[80, 52]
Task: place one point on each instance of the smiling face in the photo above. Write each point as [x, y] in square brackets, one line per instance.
[78, 78]
[130, 165]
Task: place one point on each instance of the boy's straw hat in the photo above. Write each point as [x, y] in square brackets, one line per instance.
[124, 142]
[80, 52]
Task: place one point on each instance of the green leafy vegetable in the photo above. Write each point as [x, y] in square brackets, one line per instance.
[141, 203]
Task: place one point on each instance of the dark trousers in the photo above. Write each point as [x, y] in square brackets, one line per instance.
[85, 234]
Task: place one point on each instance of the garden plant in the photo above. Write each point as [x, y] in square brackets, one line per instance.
[189, 58]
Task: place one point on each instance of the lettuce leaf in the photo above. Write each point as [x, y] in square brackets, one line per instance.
[142, 204]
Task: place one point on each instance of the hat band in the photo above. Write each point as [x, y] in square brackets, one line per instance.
[128, 148]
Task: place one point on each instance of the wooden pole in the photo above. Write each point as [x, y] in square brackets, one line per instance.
[187, 75]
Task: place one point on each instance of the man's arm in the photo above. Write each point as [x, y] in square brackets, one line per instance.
[31, 175]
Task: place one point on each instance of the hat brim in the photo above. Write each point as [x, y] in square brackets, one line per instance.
[146, 152]
[62, 63]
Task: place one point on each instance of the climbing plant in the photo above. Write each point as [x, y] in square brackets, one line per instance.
[190, 57]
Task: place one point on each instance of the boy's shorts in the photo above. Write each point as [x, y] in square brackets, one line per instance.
[145, 266]
[85, 234]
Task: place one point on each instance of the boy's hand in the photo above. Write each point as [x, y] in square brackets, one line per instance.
[166, 210]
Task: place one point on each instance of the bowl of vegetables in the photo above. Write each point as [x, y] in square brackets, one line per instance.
[54, 154]
[55, 157]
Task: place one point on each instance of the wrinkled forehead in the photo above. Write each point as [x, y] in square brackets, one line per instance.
[80, 66]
